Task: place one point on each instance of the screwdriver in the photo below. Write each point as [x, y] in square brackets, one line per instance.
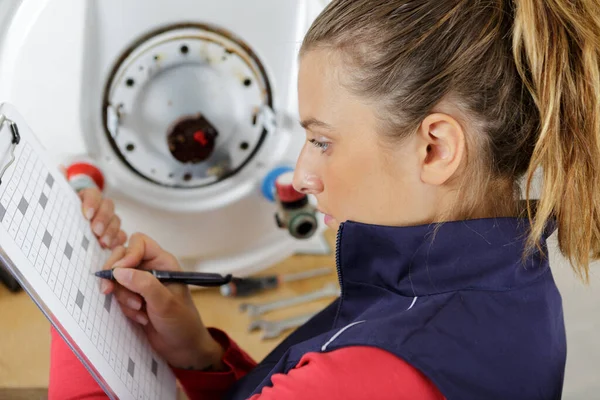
[241, 287]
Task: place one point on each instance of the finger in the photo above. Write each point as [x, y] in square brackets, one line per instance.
[107, 286]
[91, 199]
[138, 316]
[111, 231]
[116, 255]
[156, 295]
[103, 217]
[142, 249]
[128, 298]
[120, 239]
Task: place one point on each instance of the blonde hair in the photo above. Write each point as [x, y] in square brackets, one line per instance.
[524, 73]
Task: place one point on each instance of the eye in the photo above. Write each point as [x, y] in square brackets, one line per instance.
[321, 145]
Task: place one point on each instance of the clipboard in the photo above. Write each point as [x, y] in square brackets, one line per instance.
[48, 246]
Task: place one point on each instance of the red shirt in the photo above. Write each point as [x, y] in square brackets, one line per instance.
[357, 372]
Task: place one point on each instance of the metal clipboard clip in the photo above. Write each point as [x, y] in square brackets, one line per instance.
[16, 139]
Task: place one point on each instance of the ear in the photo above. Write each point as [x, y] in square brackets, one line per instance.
[441, 148]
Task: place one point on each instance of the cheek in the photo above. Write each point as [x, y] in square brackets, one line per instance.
[364, 187]
[349, 182]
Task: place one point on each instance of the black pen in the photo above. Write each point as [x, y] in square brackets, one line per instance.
[184, 277]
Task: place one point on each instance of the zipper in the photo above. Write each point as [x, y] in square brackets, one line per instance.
[338, 241]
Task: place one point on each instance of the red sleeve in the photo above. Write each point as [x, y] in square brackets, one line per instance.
[213, 385]
[351, 373]
[69, 380]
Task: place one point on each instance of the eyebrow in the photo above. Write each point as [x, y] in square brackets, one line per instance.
[313, 122]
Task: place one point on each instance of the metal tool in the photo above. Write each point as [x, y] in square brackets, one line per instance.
[241, 287]
[255, 310]
[272, 329]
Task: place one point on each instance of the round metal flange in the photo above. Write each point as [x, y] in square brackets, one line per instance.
[188, 106]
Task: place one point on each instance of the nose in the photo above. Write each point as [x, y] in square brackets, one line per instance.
[305, 180]
[307, 183]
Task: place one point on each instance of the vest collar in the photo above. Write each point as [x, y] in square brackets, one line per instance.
[478, 254]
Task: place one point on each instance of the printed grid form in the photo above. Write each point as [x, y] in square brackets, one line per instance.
[59, 244]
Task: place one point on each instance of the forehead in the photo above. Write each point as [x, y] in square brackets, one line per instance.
[322, 95]
[318, 82]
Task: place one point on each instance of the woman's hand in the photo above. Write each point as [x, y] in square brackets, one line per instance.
[100, 211]
[166, 312]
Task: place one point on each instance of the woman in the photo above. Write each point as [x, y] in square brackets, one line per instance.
[420, 116]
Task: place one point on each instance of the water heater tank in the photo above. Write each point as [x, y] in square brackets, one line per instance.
[189, 108]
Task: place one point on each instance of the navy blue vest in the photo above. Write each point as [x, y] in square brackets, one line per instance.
[460, 303]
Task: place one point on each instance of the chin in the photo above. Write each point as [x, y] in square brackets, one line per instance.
[331, 222]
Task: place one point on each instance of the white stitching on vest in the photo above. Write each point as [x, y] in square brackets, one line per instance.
[324, 347]
[413, 303]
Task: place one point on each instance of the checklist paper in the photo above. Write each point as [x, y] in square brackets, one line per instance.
[49, 246]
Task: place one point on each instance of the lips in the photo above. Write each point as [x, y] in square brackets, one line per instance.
[327, 218]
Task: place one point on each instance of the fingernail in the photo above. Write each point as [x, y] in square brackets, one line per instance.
[122, 274]
[134, 303]
[107, 241]
[89, 213]
[141, 319]
[103, 287]
[99, 228]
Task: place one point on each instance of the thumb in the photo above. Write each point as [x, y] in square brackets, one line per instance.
[145, 284]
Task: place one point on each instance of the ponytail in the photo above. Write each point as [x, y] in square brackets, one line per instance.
[556, 44]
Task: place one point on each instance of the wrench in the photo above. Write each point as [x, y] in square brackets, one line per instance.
[254, 310]
[272, 329]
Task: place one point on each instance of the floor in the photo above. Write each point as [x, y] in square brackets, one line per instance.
[24, 331]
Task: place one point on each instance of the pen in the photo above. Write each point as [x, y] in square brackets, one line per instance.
[187, 278]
